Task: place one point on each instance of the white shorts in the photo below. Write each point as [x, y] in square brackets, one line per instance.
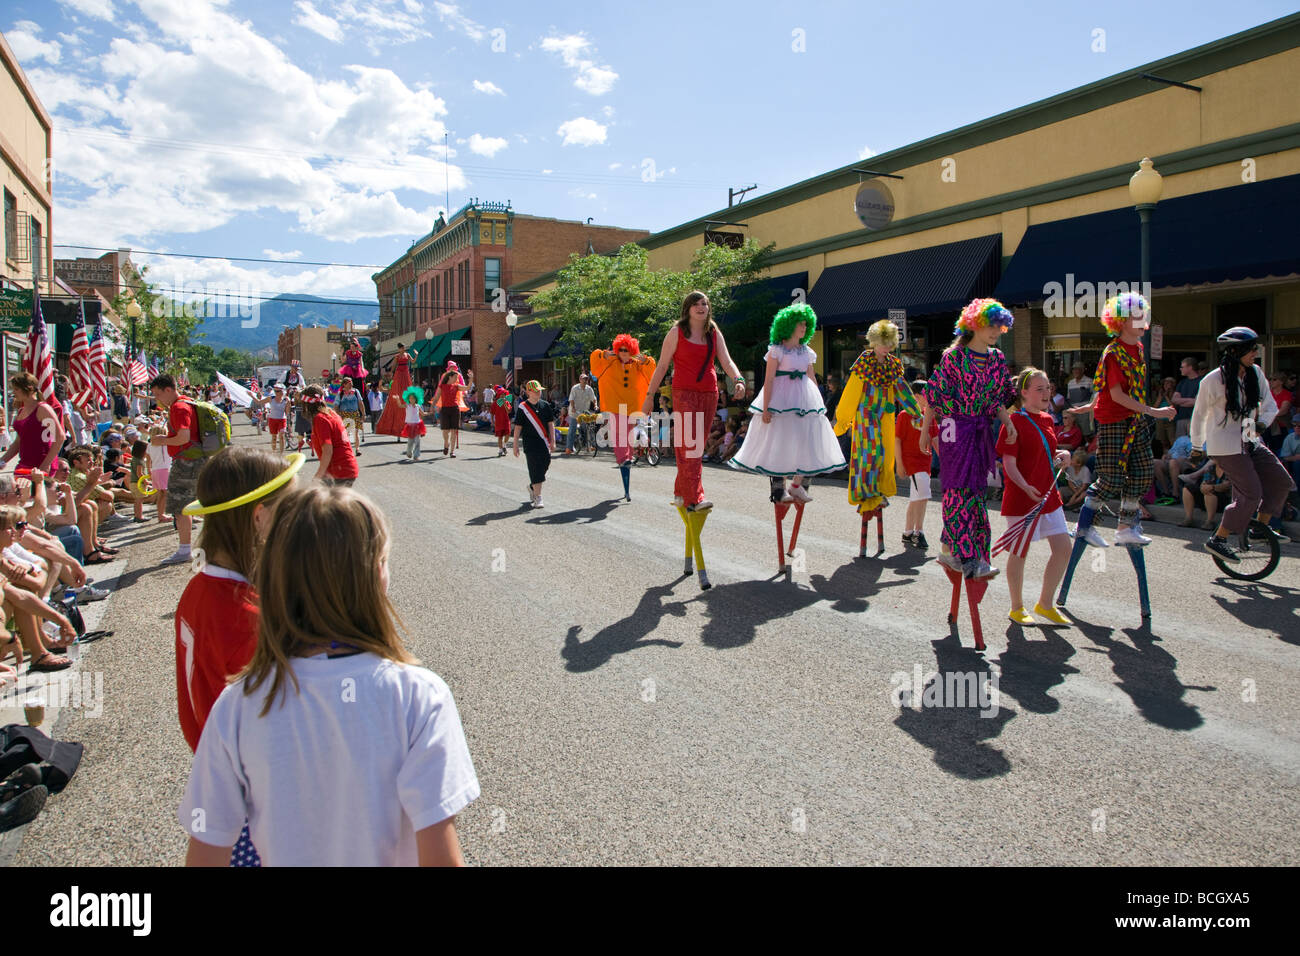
[918, 486]
[1050, 524]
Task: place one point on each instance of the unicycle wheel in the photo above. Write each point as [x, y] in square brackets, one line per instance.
[1259, 557]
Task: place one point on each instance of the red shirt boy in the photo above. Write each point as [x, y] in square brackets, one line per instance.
[327, 429]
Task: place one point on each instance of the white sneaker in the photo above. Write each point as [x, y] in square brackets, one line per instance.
[1131, 537]
[538, 503]
[89, 594]
[180, 557]
[949, 561]
[798, 493]
[1092, 536]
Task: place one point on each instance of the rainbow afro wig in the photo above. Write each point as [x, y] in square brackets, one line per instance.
[626, 341]
[415, 391]
[785, 321]
[982, 314]
[1121, 308]
[883, 333]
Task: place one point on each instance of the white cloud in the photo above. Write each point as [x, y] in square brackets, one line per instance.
[99, 9]
[866, 152]
[449, 13]
[488, 87]
[146, 150]
[579, 193]
[607, 111]
[581, 131]
[547, 172]
[28, 46]
[309, 18]
[275, 254]
[590, 78]
[613, 166]
[487, 146]
[383, 21]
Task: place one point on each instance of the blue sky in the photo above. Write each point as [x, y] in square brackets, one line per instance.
[314, 131]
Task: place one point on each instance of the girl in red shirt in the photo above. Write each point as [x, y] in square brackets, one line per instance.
[451, 388]
[1029, 464]
[217, 618]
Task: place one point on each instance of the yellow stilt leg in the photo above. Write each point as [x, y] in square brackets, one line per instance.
[694, 523]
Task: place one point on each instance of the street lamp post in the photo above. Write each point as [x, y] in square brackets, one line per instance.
[428, 337]
[1144, 188]
[334, 363]
[511, 320]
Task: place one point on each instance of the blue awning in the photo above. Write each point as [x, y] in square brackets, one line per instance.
[530, 342]
[922, 281]
[1241, 232]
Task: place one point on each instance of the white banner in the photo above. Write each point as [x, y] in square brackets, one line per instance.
[240, 395]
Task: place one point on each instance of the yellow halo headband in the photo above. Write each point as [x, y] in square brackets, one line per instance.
[296, 461]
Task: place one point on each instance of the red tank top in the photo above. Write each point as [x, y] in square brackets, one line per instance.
[32, 444]
[689, 359]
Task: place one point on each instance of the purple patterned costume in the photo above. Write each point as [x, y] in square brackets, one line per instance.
[965, 392]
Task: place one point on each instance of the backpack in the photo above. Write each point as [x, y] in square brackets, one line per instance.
[214, 431]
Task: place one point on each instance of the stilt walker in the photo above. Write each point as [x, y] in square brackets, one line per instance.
[967, 393]
[393, 420]
[789, 436]
[874, 392]
[693, 347]
[1124, 465]
[623, 375]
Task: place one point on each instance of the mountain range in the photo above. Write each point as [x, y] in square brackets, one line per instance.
[267, 319]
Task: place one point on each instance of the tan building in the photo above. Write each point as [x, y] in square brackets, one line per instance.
[317, 347]
[446, 296]
[25, 143]
[1033, 206]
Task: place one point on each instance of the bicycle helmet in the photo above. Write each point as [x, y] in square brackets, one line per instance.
[1238, 335]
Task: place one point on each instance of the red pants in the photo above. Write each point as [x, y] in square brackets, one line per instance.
[618, 431]
[693, 412]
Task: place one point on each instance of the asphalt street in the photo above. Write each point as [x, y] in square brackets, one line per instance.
[618, 715]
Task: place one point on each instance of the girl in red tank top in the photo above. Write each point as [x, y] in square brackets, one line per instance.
[693, 346]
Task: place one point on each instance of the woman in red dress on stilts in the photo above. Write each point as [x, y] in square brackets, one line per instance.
[694, 345]
[393, 420]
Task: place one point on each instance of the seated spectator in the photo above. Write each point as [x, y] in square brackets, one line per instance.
[1070, 436]
[1205, 487]
[728, 447]
[1077, 477]
[1291, 451]
[1169, 466]
[1279, 428]
[714, 441]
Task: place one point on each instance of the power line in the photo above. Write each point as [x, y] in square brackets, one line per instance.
[191, 255]
[277, 296]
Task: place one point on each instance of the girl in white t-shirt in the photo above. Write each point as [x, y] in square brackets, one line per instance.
[160, 466]
[334, 743]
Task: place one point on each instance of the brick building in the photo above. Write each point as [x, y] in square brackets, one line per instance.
[446, 295]
[317, 347]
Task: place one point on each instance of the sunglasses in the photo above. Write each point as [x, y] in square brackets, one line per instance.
[20, 525]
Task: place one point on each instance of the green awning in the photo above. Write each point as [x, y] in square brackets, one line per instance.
[441, 345]
[424, 349]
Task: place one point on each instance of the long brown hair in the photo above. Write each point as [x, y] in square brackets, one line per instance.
[232, 472]
[684, 320]
[318, 582]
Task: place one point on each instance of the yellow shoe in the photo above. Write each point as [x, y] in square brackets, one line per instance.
[1052, 614]
[1021, 616]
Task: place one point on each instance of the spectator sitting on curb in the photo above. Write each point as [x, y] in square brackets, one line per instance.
[1077, 478]
[1169, 466]
[1205, 488]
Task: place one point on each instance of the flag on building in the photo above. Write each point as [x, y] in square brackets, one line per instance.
[37, 359]
[79, 362]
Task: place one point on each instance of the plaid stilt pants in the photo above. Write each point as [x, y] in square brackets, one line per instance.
[1116, 477]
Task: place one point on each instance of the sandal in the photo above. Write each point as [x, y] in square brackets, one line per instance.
[95, 557]
[110, 551]
[49, 662]
[91, 636]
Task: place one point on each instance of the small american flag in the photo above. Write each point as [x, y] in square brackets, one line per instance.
[1020, 533]
[37, 359]
[137, 372]
[99, 365]
[79, 362]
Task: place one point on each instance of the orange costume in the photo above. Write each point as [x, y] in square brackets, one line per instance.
[622, 388]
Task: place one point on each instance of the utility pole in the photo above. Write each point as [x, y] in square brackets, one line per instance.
[736, 195]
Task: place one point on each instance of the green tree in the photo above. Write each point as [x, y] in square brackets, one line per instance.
[234, 364]
[596, 297]
[165, 325]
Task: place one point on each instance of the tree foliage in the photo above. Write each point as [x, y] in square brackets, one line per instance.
[596, 297]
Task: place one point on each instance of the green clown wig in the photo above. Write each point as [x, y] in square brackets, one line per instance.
[785, 321]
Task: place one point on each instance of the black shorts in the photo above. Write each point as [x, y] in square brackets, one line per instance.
[539, 461]
[449, 418]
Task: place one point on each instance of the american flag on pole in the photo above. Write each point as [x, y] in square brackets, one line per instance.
[1020, 533]
[37, 358]
[79, 362]
[137, 372]
[99, 365]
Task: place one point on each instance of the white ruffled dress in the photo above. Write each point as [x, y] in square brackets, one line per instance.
[799, 440]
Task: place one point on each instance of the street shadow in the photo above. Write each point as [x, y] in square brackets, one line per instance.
[736, 611]
[851, 586]
[597, 512]
[624, 635]
[1271, 608]
[952, 724]
[484, 519]
[1147, 673]
[1031, 668]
